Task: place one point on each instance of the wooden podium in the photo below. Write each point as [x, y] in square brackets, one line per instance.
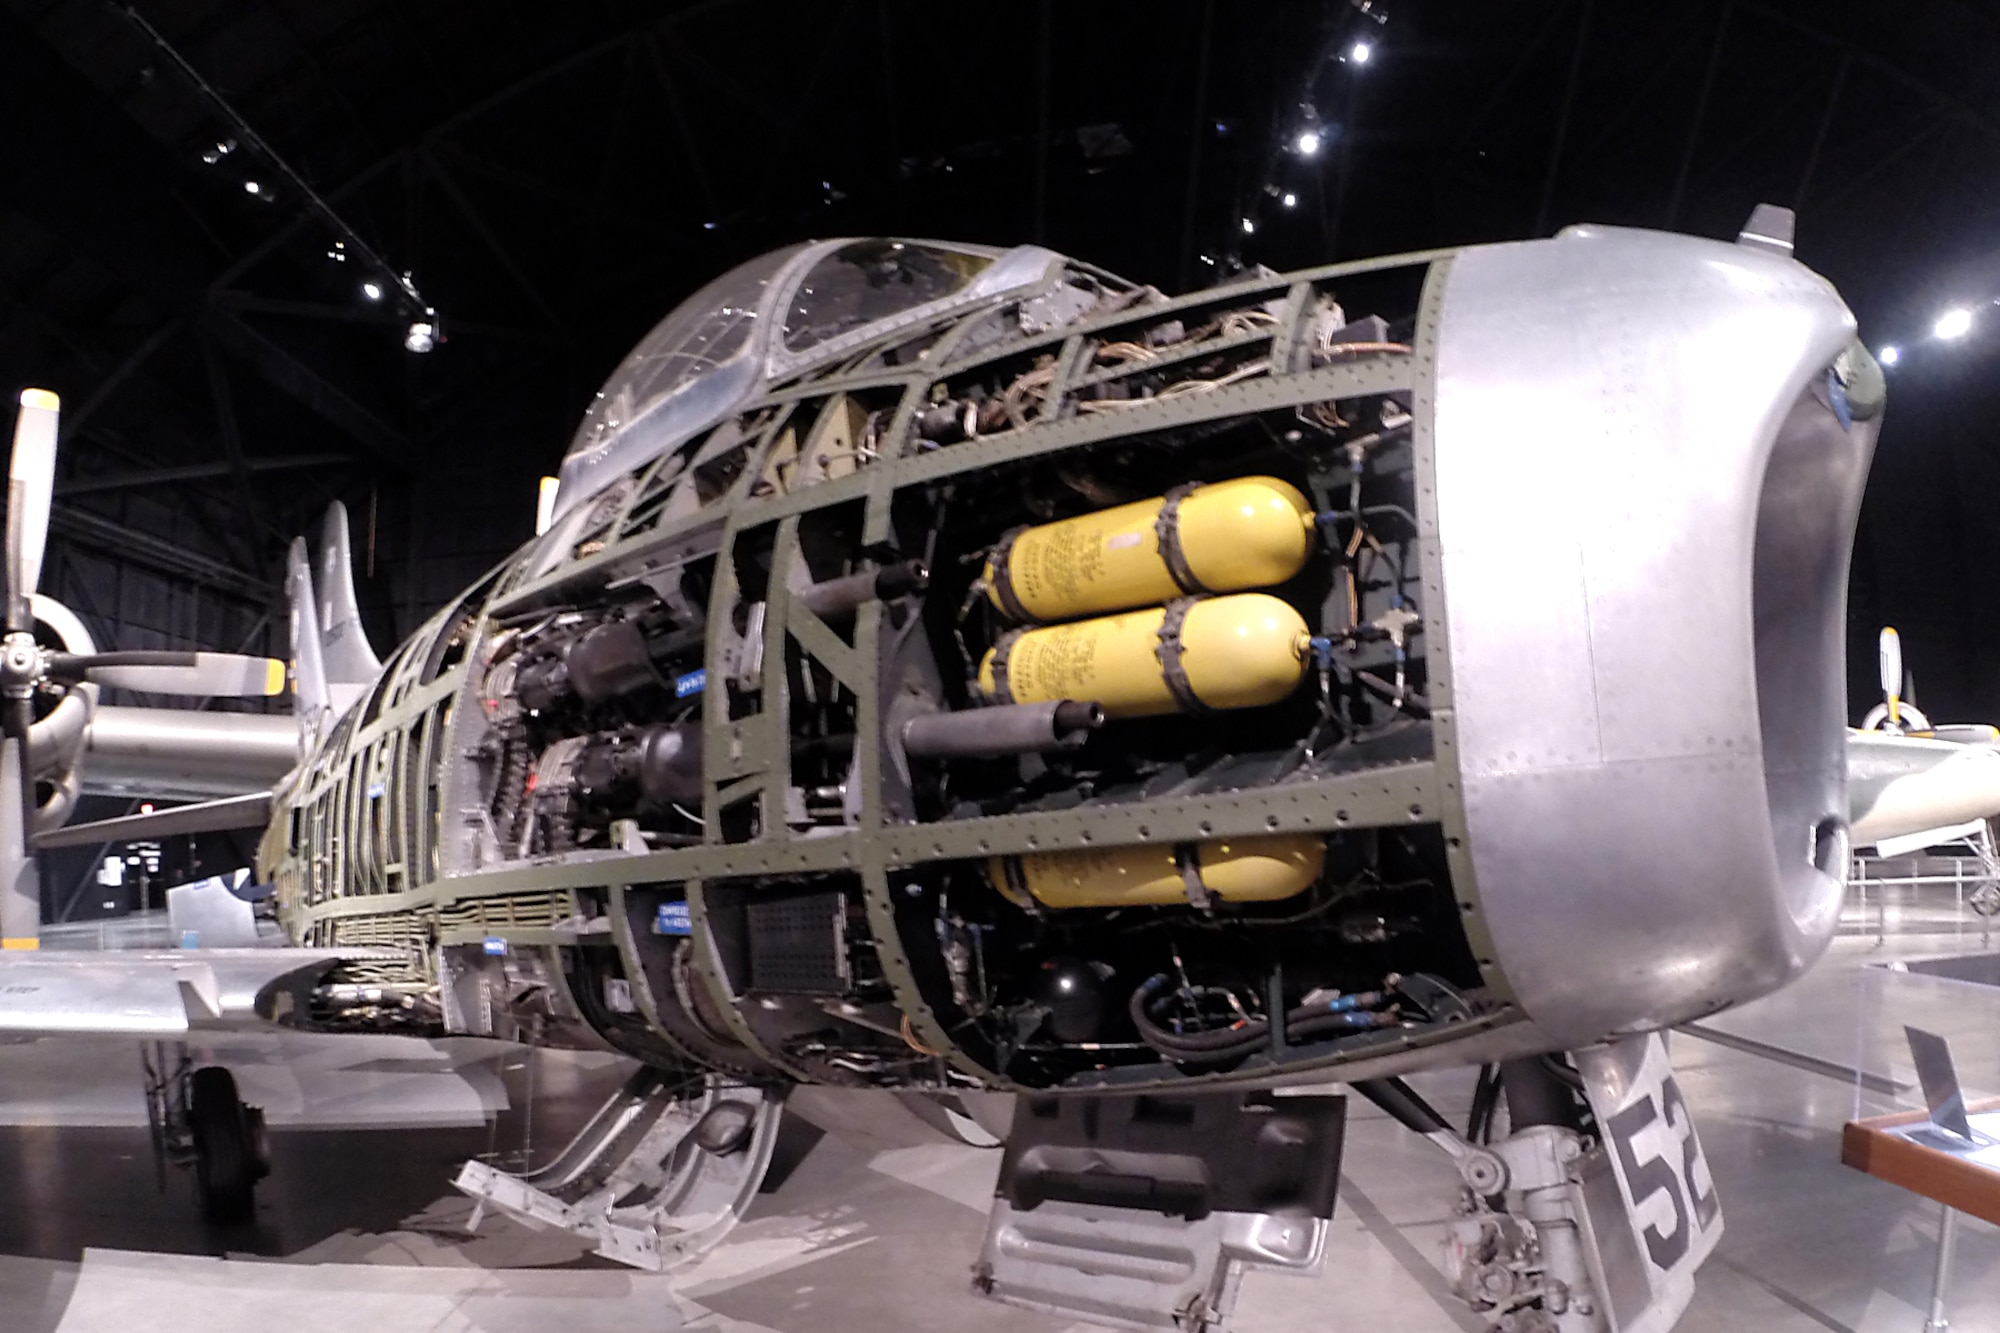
[1954, 1180]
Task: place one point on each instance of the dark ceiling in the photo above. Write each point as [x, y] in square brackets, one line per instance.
[553, 178]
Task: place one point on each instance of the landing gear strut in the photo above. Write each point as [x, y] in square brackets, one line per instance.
[199, 1120]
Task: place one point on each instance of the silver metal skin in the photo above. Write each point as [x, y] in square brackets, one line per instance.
[250, 810]
[637, 1179]
[1647, 732]
[148, 994]
[171, 753]
[314, 702]
[1900, 786]
[20, 879]
[345, 651]
[1133, 1269]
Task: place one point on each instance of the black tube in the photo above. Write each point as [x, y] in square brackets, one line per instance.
[1414, 703]
[841, 596]
[1403, 1104]
[1485, 1097]
[905, 576]
[1001, 729]
[1537, 1097]
[1074, 715]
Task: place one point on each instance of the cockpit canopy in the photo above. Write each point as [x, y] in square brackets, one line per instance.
[866, 281]
[776, 314]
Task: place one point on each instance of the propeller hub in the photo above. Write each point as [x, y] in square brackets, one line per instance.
[20, 664]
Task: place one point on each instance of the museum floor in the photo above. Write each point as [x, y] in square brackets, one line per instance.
[357, 1229]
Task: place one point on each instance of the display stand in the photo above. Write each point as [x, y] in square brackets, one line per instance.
[1956, 1180]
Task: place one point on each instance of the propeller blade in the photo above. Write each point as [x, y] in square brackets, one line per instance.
[210, 675]
[1890, 660]
[31, 476]
[20, 878]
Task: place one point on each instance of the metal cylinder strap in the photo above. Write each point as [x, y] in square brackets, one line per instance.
[1169, 655]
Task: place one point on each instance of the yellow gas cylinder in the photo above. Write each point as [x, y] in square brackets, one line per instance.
[1250, 532]
[1190, 656]
[1237, 870]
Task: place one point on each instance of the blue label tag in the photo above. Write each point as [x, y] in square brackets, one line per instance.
[494, 945]
[694, 682]
[376, 791]
[673, 919]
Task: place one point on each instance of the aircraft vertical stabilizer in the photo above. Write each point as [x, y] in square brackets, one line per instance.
[313, 704]
[345, 652]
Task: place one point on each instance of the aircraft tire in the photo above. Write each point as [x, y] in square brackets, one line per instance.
[225, 1144]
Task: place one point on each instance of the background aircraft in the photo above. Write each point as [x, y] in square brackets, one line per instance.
[950, 670]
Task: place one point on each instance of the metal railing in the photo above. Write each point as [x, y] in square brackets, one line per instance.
[1886, 884]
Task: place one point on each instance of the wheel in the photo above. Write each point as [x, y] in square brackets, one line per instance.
[227, 1159]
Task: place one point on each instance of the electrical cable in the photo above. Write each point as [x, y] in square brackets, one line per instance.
[1346, 1013]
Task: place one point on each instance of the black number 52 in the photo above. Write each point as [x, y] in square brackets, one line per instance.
[1656, 1175]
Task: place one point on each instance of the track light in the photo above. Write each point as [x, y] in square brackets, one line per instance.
[1953, 323]
[421, 337]
[1249, 227]
[1890, 354]
[1290, 200]
[1359, 52]
[1307, 144]
[372, 290]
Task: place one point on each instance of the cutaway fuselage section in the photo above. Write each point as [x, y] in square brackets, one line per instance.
[959, 668]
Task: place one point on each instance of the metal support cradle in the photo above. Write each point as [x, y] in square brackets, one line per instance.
[657, 1178]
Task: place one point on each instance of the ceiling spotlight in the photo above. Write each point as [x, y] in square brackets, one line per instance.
[372, 290]
[1208, 259]
[218, 150]
[1953, 323]
[1291, 200]
[1890, 354]
[421, 337]
[1359, 52]
[1307, 143]
[338, 254]
[252, 187]
[1249, 227]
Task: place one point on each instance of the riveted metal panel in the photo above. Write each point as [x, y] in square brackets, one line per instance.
[1608, 404]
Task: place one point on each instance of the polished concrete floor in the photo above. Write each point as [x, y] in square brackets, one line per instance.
[358, 1229]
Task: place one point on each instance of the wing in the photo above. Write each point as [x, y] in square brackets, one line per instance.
[164, 993]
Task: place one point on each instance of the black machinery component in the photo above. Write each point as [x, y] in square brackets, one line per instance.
[610, 660]
[1182, 1156]
[636, 769]
[1073, 992]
